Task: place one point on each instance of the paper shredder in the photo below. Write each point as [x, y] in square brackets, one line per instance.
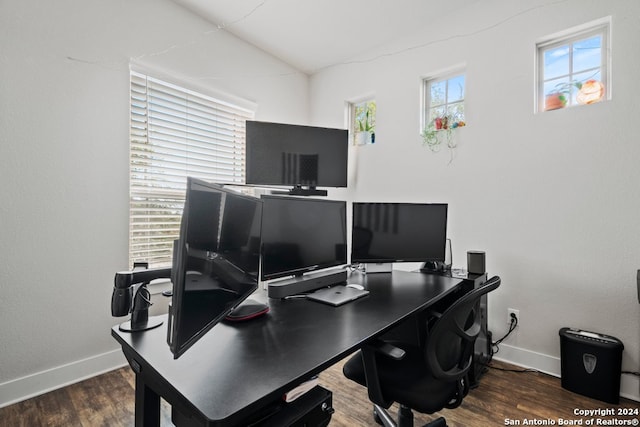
[591, 364]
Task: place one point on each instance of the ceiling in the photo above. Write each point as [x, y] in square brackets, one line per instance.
[314, 34]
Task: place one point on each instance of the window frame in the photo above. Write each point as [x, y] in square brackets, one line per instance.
[175, 132]
[601, 27]
[427, 82]
[351, 118]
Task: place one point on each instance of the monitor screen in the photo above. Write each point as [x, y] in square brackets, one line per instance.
[398, 232]
[215, 260]
[301, 235]
[294, 155]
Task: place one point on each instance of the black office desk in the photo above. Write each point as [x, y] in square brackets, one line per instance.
[235, 370]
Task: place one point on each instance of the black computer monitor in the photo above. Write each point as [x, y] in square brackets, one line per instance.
[304, 157]
[301, 235]
[398, 232]
[215, 260]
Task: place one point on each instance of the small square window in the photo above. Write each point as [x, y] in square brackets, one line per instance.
[444, 100]
[362, 122]
[573, 68]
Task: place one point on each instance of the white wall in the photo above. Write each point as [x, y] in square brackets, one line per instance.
[553, 198]
[64, 81]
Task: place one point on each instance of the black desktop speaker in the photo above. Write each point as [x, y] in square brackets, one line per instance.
[433, 267]
[476, 262]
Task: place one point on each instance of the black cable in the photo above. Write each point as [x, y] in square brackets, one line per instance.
[517, 371]
[495, 348]
[495, 345]
[142, 298]
[356, 267]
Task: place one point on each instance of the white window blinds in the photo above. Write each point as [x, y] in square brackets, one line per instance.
[175, 133]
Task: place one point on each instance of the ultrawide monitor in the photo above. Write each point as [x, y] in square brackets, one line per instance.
[215, 260]
[398, 232]
[294, 155]
[300, 235]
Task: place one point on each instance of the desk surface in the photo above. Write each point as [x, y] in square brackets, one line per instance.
[235, 369]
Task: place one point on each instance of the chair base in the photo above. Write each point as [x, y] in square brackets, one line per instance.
[405, 418]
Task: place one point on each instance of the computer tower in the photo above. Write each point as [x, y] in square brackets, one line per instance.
[483, 347]
[590, 364]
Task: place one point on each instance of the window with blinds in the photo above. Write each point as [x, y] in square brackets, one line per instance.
[175, 133]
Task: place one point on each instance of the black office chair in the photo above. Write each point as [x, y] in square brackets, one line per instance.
[425, 377]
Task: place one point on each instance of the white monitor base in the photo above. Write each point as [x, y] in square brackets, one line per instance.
[378, 267]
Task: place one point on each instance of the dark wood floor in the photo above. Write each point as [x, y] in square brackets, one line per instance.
[108, 400]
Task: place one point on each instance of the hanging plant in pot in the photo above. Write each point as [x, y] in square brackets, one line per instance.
[439, 133]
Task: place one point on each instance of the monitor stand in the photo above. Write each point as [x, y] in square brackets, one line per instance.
[434, 267]
[298, 190]
[140, 320]
[378, 267]
[305, 283]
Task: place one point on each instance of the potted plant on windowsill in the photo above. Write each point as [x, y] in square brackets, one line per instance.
[559, 95]
[365, 131]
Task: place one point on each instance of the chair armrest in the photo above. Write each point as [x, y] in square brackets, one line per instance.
[369, 351]
[388, 350]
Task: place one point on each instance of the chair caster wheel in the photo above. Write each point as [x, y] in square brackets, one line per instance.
[438, 422]
[377, 418]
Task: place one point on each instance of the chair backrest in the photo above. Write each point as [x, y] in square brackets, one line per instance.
[450, 344]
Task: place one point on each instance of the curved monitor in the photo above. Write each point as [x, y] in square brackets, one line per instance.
[215, 261]
[301, 235]
[294, 155]
[398, 232]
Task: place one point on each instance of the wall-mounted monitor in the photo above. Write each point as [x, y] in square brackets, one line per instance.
[398, 232]
[301, 235]
[215, 262]
[302, 157]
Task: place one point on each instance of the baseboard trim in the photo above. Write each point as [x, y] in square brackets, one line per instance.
[42, 382]
[629, 384]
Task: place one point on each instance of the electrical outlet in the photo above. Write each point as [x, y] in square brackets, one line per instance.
[515, 312]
